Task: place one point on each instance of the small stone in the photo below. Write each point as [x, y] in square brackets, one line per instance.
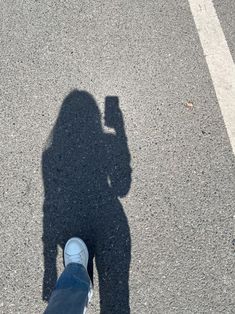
[189, 104]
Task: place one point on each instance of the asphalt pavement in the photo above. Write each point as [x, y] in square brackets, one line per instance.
[176, 210]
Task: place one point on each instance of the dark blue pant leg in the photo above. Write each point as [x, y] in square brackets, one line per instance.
[70, 295]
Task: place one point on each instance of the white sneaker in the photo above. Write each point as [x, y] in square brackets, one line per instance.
[76, 251]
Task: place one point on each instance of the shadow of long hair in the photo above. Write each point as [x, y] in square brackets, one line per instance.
[85, 172]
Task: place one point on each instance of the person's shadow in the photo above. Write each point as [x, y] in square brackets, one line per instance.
[85, 171]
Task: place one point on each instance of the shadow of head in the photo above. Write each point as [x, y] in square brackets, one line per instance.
[85, 171]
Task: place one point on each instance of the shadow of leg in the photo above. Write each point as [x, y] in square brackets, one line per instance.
[50, 272]
[113, 255]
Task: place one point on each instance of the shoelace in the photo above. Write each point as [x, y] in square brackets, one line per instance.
[75, 256]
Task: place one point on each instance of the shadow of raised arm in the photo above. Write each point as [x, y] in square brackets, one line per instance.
[119, 169]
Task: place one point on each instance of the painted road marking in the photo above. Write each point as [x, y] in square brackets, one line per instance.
[219, 60]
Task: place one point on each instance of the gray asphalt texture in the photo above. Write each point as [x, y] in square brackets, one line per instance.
[180, 202]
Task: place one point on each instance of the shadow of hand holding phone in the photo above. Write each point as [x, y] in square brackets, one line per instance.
[85, 171]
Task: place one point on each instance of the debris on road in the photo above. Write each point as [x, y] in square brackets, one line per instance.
[189, 104]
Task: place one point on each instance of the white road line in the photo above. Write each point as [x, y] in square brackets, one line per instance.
[219, 60]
